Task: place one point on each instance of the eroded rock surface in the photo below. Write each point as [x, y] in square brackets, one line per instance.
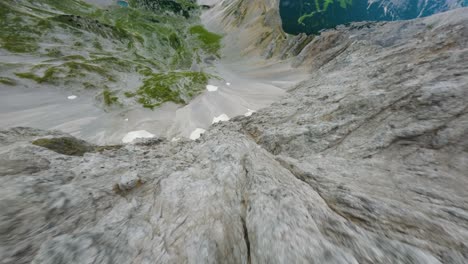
[365, 162]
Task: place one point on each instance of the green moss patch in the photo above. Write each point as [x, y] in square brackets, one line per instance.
[70, 69]
[109, 97]
[7, 81]
[211, 42]
[92, 25]
[19, 44]
[65, 145]
[115, 62]
[54, 52]
[29, 75]
[182, 7]
[72, 146]
[67, 6]
[47, 77]
[175, 87]
[17, 35]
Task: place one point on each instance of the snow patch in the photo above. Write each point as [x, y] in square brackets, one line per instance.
[249, 112]
[211, 88]
[228, 84]
[131, 136]
[196, 134]
[175, 139]
[72, 97]
[221, 118]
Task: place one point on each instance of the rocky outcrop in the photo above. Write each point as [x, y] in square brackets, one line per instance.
[252, 28]
[365, 162]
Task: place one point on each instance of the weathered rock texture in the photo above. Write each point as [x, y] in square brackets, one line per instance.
[252, 27]
[366, 162]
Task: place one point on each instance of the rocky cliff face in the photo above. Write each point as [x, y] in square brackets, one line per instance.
[365, 162]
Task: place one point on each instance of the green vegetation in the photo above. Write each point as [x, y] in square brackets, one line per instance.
[15, 36]
[129, 94]
[88, 67]
[211, 42]
[176, 87]
[182, 7]
[73, 57]
[7, 81]
[65, 145]
[237, 10]
[188, 4]
[31, 76]
[97, 45]
[88, 85]
[76, 7]
[109, 97]
[18, 44]
[54, 52]
[72, 146]
[175, 41]
[117, 63]
[70, 69]
[85, 46]
[90, 24]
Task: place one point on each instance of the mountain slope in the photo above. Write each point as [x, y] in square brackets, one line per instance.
[364, 162]
[144, 54]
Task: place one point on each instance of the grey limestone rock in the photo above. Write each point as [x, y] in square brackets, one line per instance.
[365, 162]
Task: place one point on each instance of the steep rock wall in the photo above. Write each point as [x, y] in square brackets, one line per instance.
[365, 162]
